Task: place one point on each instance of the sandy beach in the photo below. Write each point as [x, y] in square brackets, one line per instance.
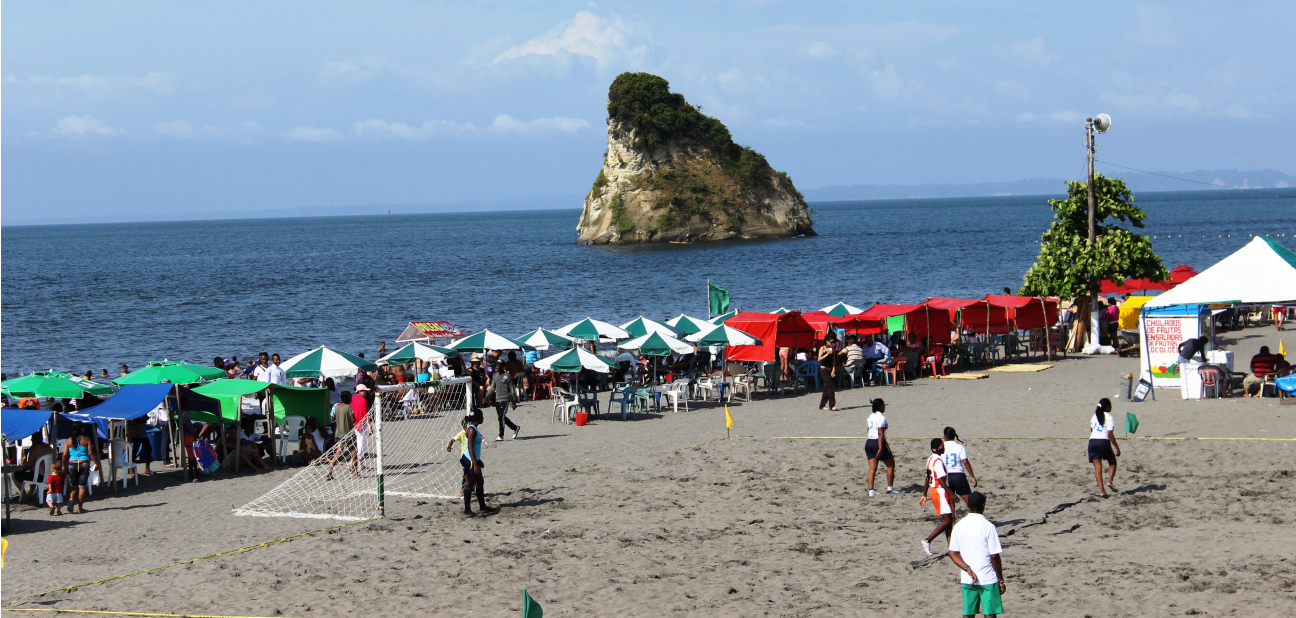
[661, 515]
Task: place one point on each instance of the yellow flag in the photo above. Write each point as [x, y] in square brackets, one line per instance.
[728, 418]
[1282, 349]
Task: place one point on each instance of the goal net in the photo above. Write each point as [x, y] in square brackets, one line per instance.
[398, 452]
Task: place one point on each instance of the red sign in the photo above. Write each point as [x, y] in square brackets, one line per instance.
[420, 331]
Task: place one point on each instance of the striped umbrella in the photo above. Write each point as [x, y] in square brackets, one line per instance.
[641, 326]
[325, 362]
[841, 310]
[590, 329]
[688, 325]
[720, 319]
[543, 339]
[486, 340]
[656, 344]
[724, 335]
[421, 351]
[572, 361]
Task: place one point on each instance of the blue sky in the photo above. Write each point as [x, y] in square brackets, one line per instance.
[113, 109]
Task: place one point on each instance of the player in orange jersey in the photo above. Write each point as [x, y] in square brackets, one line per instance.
[941, 497]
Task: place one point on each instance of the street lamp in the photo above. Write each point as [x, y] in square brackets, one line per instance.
[1098, 124]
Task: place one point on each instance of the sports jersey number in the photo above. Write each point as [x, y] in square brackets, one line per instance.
[951, 460]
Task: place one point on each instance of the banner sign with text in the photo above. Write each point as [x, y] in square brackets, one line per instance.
[423, 331]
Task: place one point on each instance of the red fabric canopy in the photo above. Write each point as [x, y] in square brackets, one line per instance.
[1182, 273]
[881, 312]
[982, 317]
[1134, 285]
[920, 320]
[952, 303]
[787, 330]
[849, 323]
[1107, 286]
[1027, 312]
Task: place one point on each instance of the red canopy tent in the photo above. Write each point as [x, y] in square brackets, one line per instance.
[1182, 273]
[786, 330]
[1137, 285]
[978, 314]
[1027, 312]
[920, 320]
[849, 323]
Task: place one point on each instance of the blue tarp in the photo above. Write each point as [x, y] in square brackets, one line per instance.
[1286, 383]
[129, 402]
[17, 424]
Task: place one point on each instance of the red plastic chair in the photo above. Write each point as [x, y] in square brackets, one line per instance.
[541, 385]
[935, 360]
[1212, 378]
[896, 370]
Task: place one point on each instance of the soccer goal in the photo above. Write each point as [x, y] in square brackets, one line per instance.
[399, 451]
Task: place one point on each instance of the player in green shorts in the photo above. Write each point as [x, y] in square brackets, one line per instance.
[974, 548]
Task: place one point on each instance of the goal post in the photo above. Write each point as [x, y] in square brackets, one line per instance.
[397, 452]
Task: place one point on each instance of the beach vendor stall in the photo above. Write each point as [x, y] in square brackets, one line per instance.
[1161, 330]
[787, 330]
[919, 320]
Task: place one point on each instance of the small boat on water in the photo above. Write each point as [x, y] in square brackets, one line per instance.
[682, 241]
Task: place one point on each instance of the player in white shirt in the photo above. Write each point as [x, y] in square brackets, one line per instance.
[876, 448]
[941, 497]
[975, 549]
[1102, 445]
[957, 466]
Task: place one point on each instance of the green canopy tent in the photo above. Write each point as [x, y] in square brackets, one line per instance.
[42, 384]
[572, 361]
[230, 394]
[486, 340]
[91, 387]
[301, 401]
[174, 372]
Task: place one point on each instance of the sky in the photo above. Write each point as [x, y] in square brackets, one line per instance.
[124, 109]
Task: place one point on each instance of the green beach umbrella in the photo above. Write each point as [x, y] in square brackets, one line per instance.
[421, 351]
[840, 310]
[89, 386]
[688, 325]
[543, 339]
[574, 360]
[228, 392]
[656, 344]
[720, 319]
[592, 330]
[175, 372]
[724, 335]
[42, 384]
[325, 362]
[486, 340]
[641, 326]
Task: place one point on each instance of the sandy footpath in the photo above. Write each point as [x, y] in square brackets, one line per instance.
[632, 518]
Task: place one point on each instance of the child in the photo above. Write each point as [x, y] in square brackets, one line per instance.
[54, 488]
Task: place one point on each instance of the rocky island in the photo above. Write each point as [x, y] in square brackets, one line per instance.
[671, 173]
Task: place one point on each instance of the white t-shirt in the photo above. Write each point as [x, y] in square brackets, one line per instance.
[277, 375]
[262, 374]
[875, 422]
[936, 466]
[1098, 431]
[954, 456]
[976, 539]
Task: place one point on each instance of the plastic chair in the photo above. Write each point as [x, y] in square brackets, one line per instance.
[896, 370]
[741, 382]
[289, 433]
[675, 391]
[935, 360]
[808, 371]
[852, 371]
[563, 405]
[623, 395]
[707, 386]
[121, 453]
[541, 384]
[588, 398]
[43, 464]
[1212, 380]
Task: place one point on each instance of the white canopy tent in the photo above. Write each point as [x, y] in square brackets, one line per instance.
[1263, 271]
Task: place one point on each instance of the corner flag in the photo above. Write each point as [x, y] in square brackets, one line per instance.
[719, 298]
[1282, 349]
[1131, 423]
[530, 609]
[728, 418]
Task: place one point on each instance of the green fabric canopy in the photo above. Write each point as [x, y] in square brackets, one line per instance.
[590, 329]
[301, 401]
[228, 392]
[656, 345]
[175, 372]
[89, 386]
[688, 325]
[42, 384]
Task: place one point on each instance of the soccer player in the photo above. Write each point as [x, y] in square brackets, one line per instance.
[876, 448]
[957, 466]
[974, 548]
[1102, 445]
[941, 497]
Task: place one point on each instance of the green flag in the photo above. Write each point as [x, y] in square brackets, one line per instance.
[719, 298]
[1131, 423]
[530, 609]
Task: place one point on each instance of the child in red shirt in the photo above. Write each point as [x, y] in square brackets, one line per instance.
[54, 488]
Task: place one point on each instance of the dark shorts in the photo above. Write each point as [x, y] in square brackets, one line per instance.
[958, 483]
[78, 474]
[1101, 449]
[871, 449]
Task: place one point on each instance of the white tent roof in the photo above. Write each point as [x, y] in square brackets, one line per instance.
[1261, 272]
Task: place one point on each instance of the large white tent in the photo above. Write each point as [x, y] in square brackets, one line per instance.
[1261, 272]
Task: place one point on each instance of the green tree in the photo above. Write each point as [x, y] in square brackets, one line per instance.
[1068, 267]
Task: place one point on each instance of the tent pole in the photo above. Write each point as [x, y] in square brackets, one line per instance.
[274, 427]
[238, 431]
[184, 454]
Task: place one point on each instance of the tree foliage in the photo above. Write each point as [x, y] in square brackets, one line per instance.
[1068, 267]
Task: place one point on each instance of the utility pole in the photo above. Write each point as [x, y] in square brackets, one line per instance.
[1093, 237]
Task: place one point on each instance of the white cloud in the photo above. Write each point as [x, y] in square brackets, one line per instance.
[606, 40]
[381, 129]
[352, 70]
[375, 128]
[818, 50]
[1053, 116]
[1154, 28]
[1032, 53]
[886, 83]
[183, 129]
[161, 83]
[78, 126]
[506, 123]
[312, 134]
[179, 129]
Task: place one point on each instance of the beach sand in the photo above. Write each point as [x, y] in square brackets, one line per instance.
[663, 516]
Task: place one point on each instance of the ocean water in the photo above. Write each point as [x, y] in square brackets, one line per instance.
[78, 297]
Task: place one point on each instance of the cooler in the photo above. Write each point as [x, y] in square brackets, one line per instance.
[1190, 386]
[1221, 358]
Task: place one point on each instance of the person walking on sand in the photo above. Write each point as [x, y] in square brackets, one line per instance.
[502, 392]
[957, 466]
[975, 549]
[78, 453]
[942, 498]
[1103, 446]
[828, 372]
[472, 464]
[876, 449]
[344, 417]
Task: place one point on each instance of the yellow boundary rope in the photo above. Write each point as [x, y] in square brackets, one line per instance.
[970, 438]
[91, 611]
[167, 566]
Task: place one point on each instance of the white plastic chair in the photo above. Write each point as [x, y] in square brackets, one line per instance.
[565, 404]
[705, 387]
[289, 433]
[121, 452]
[44, 463]
[677, 390]
[741, 382]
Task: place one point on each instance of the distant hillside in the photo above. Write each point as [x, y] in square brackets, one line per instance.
[1255, 179]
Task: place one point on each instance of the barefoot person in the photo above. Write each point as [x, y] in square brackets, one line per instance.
[942, 498]
[78, 453]
[876, 448]
[472, 464]
[957, 466]
[1102, 445]
[828, 372]
[974, 548]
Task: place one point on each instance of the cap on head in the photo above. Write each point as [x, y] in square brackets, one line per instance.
[976, 500]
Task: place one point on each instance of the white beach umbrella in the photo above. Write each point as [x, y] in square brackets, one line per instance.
[688, 324]
[641, 326]
[323, 362]
[590, 329]
[543, 339]
[657, 344]
[572, 361]
[722, 335]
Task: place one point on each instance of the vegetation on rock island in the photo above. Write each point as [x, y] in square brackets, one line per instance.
[1068, 267]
